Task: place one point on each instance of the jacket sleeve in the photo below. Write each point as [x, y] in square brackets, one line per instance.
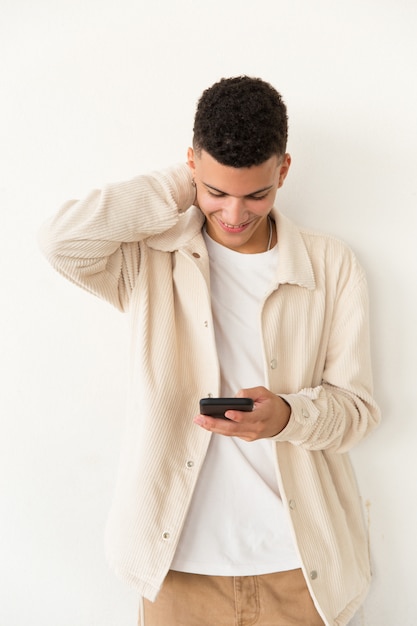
[341, 411]
[95, 242]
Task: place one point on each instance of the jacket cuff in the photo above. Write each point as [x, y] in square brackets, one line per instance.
[177, 181]
[303, 415]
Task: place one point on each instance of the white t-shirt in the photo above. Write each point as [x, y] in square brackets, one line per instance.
[236, 525]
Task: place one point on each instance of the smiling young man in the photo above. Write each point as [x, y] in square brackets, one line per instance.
[255, 519]
[237, 202]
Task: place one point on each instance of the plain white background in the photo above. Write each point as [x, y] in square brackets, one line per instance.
[96, 91]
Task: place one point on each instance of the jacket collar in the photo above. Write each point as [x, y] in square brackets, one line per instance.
[294, 265]
[188, 226]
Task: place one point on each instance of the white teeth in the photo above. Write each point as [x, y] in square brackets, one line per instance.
[233, 225]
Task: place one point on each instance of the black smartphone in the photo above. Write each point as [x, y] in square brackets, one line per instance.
[216, 407]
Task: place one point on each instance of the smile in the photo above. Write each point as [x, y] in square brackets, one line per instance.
[235, 227]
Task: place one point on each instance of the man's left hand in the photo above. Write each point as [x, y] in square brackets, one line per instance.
[269, 417]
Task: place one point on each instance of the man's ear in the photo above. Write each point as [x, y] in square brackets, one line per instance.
[284, 167]
[191, 160]
[191, 165]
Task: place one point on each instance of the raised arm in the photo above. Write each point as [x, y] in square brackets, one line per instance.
[94, 242]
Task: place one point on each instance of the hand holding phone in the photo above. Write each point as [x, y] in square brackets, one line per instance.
[270, 417]
[216, 407]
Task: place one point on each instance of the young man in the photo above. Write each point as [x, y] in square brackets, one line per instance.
[255, 519]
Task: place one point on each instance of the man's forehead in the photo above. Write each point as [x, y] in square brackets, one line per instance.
[246, 181]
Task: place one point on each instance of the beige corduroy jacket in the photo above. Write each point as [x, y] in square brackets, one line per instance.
[138, 244]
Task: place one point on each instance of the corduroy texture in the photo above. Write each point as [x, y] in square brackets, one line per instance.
[138, 245]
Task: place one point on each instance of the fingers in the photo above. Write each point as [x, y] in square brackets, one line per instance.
[238, 424]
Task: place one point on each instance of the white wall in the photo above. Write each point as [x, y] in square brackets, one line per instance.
[95, 91]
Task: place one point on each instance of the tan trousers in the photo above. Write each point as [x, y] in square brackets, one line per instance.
[280, 599]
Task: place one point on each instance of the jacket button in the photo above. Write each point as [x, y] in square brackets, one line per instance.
[292, 505]
[196, 255]
[190, 464]
[313, 574]
[273, 364]
[166, 536]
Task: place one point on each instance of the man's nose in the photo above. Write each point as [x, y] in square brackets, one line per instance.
[233, 211]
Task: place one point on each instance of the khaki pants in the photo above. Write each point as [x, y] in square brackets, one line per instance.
[280, 599]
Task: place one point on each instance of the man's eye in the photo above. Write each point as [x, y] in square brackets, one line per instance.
[258, 197]
[217, 194]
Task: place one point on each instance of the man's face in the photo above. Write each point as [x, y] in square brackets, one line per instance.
[236, 201]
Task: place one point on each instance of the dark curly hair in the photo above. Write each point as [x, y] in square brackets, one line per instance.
[240, 122]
